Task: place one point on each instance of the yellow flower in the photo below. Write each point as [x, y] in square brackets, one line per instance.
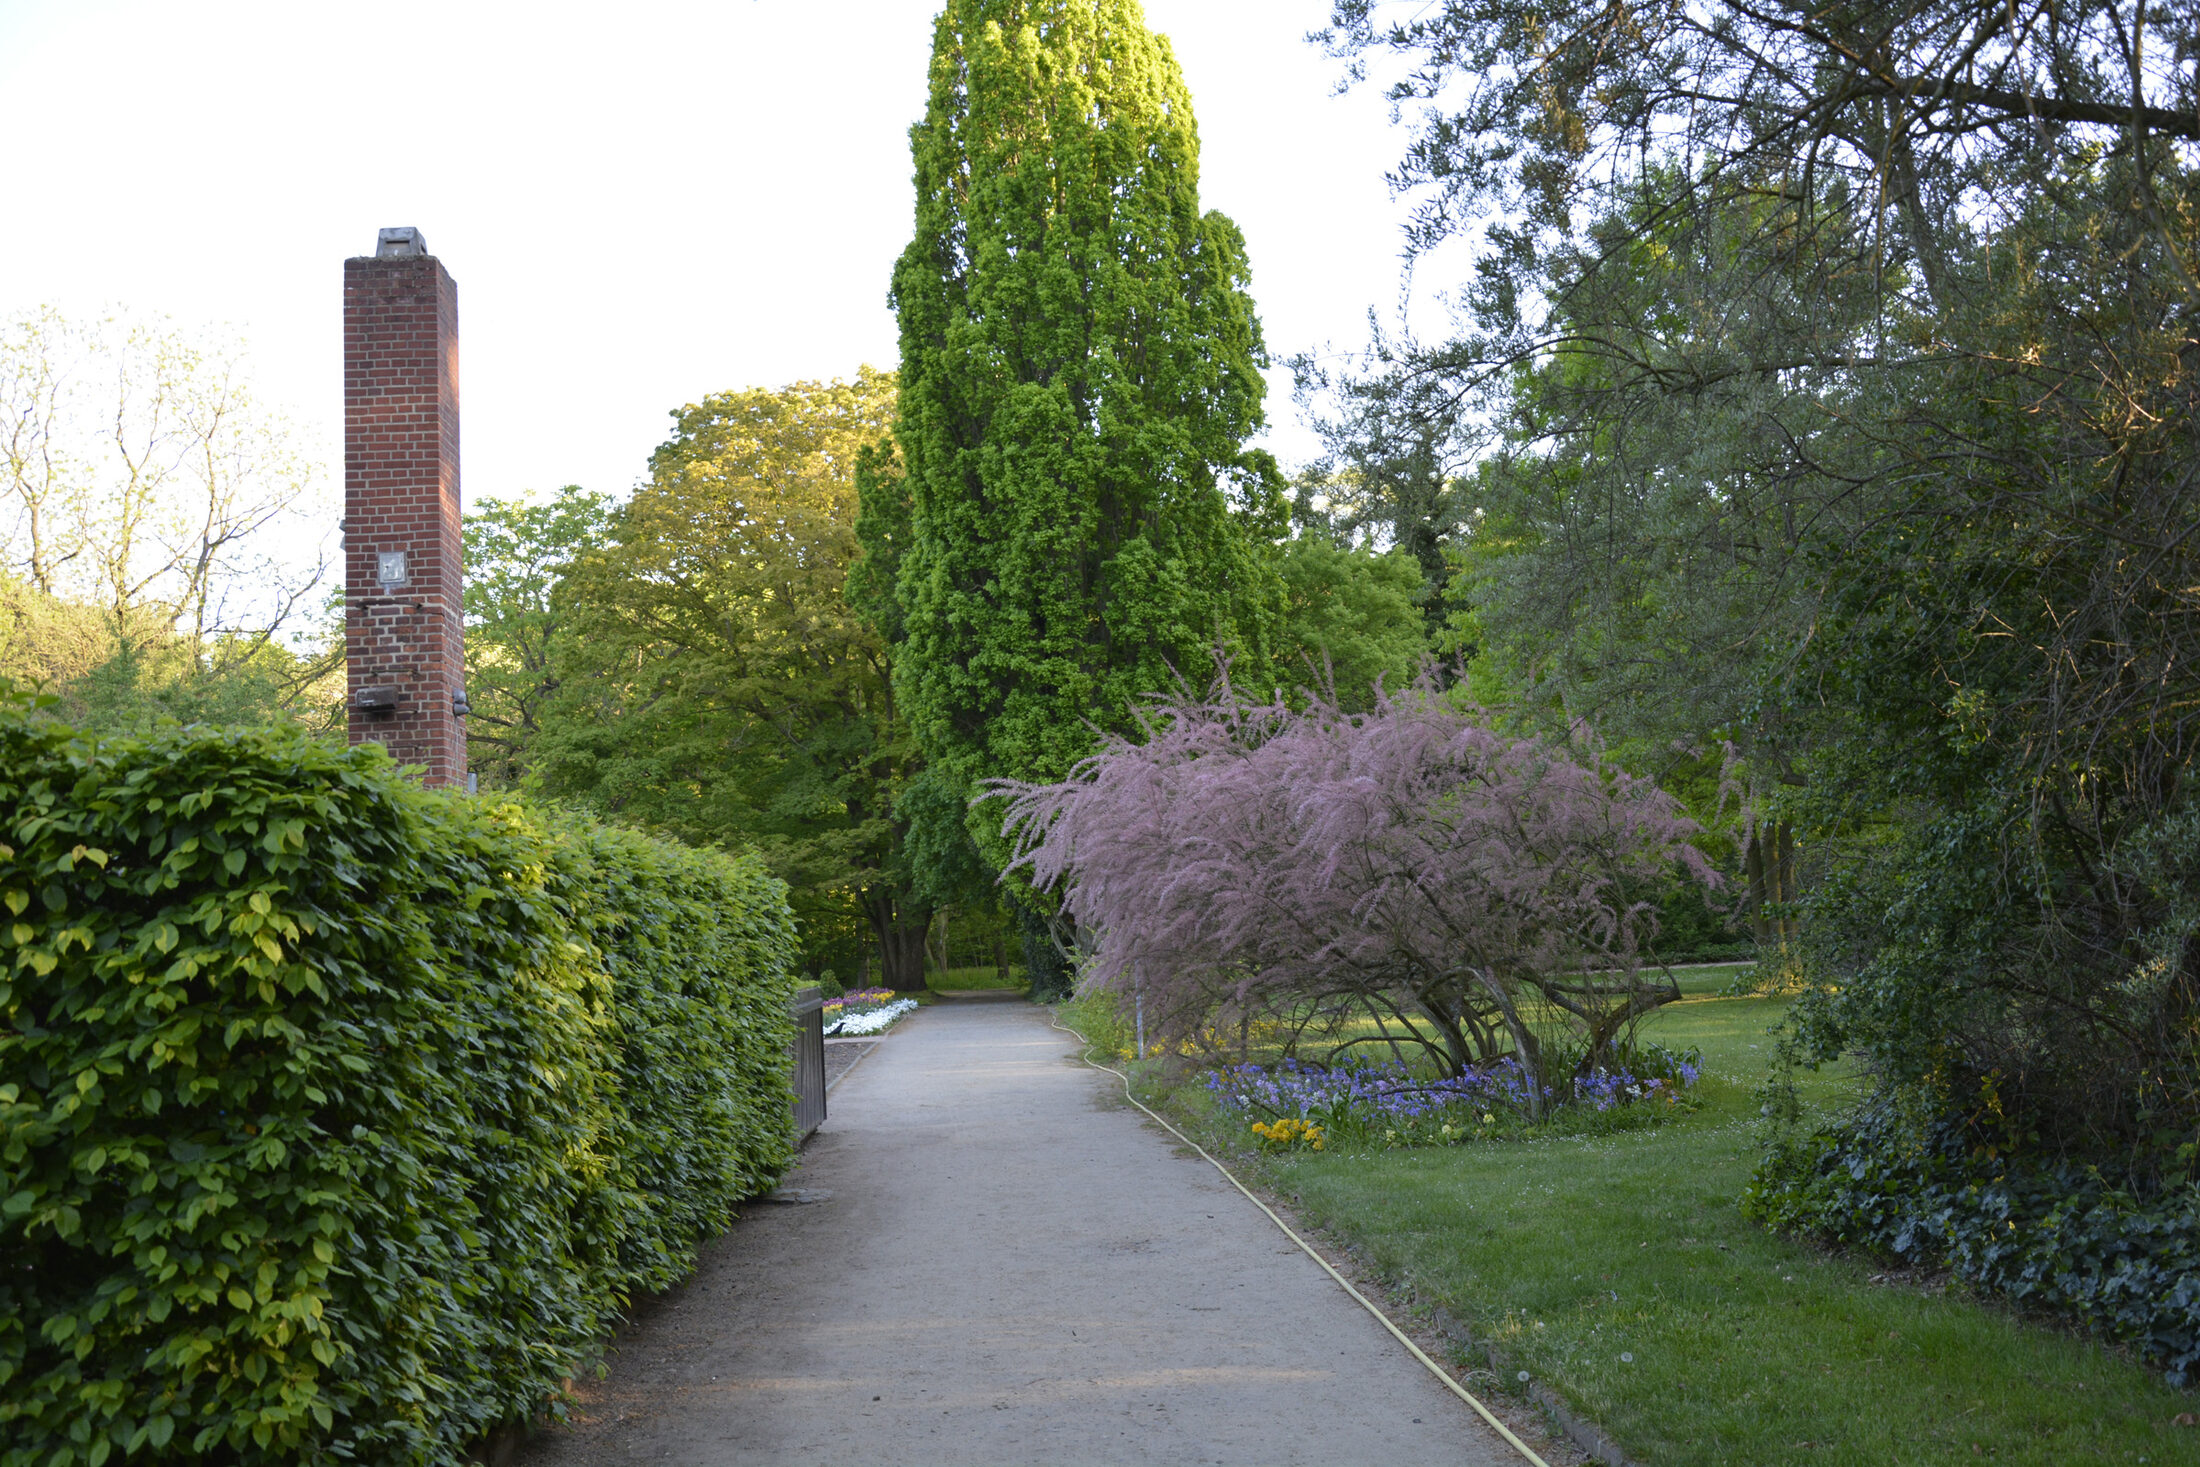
[1488, 1119]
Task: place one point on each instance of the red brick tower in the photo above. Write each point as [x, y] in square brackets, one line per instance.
[404, 627]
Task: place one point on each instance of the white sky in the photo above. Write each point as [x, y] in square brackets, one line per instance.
[641, 203]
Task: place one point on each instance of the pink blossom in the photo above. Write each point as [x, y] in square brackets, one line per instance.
[1245, 856]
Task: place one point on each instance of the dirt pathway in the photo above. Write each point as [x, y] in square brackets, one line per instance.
[1007, 1268]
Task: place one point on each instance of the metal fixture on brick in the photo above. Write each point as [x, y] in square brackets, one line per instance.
[404, 629]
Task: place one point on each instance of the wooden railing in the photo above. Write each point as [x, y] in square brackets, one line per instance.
[807, 1058]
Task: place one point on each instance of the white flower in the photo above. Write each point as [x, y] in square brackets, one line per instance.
[872, 1021]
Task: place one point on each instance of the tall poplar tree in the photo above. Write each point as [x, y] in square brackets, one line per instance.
[1073, 512]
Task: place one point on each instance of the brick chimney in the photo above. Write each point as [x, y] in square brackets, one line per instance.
[404, 627]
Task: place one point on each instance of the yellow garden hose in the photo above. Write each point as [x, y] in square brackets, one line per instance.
[1342, 1282]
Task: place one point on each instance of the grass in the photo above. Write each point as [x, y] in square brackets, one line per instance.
[1746, 1348]
[966, 979]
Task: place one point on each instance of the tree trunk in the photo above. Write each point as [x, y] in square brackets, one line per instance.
[900, 934]
[1753, 868]
[936, 942]
[1768, 860]
[1000, 953]
[1044, 963]
[1784, 869]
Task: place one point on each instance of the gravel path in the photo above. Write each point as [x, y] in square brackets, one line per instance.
[1006, 1266]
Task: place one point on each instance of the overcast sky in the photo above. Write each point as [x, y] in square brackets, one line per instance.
[641, 203]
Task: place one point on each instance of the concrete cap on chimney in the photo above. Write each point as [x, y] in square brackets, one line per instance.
[400, 244]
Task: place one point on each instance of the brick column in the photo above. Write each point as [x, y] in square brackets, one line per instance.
[404, 628]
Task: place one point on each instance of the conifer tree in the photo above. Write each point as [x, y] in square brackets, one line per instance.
[1072, 511]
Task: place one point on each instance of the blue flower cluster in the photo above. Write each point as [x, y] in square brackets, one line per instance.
[1389, 1092]
[1603, 1089]
[1295, 1088]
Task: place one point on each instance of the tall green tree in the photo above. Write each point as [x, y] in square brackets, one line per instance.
[1067, 518]
[714, 680]
[1839, 379]
[1350, 618]
[517, 556]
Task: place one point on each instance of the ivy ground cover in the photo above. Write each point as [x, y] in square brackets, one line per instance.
[1573, 1252]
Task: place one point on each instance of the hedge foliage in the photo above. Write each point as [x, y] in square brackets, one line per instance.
[339, 1118]
[2055, 1237]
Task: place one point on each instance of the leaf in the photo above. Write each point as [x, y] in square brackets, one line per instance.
[391, 1104]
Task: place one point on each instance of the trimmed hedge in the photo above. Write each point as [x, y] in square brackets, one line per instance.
[2057, 1238]
[339, 1119]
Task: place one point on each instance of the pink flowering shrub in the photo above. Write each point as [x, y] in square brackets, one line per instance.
[1412, 861]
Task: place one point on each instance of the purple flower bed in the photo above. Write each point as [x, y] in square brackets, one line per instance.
[1387, 1098]
[1295, 1088]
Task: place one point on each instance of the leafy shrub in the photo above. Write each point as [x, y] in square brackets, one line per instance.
[338, 1118]
[1412, 859]
[2055, 1236]
[1972, 955]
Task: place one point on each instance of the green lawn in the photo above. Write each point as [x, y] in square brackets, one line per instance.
[974, 978]
[1576, 1254]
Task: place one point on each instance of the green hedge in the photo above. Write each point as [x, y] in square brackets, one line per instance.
[338, 1119]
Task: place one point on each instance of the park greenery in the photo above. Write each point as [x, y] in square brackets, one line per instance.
[341, 1119]
[1789, 552]
[145, 493]
[1242, 861]
[1070, 502]
[1613, 1261]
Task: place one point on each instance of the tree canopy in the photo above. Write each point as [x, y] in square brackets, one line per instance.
[1833, 376]
[518, 619]
[713, 679]
[1080, 371]
[151, 511]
